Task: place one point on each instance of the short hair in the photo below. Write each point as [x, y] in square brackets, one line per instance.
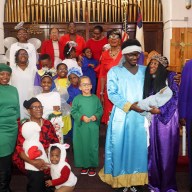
[44, 56]
[83, 77]
[98, 27]
[54, 147]
[60, 65]
[85, 49]
[115, 32]
[52, 29]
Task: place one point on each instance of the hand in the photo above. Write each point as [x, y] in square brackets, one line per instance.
[93, 118]
[154, 110]
[39, 164]
[48, 183]
[182, 121]
[177, 78]
[86, 119]
[91, 65]
[136, 108]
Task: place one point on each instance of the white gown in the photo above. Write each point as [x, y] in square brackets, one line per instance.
[24, 82]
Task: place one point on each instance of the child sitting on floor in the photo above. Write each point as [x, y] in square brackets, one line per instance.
[62, 177]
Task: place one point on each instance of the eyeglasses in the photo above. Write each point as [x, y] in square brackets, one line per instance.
[132, 55]
[23, 54]
[114, 37]
[36, 107]
[85, 84]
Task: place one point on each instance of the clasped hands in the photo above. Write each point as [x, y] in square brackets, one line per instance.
[88, 119]
[40, 164]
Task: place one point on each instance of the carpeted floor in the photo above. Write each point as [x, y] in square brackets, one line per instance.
[94, 184]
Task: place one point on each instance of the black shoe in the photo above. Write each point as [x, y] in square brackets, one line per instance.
[122, 189]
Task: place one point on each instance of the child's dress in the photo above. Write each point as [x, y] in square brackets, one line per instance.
[58, 171]
[61, 85]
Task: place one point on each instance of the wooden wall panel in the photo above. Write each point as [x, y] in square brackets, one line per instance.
[180, 48]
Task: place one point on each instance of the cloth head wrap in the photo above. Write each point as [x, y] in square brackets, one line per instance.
[131, 45]
[75, 71]
[161, 59]
[4, 67]
[27, 104]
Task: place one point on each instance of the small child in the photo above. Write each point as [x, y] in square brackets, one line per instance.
[46, 65]
[88, 66]
[86, 111]
[73, 89]
[62, 83]
[51, 102]
[70, 56]
[32, 146]
[62, 177]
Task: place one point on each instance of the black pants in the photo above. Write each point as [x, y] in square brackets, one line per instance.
[36, 182]
[5, 173]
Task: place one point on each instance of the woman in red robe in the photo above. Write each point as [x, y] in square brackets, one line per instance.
[109, 59]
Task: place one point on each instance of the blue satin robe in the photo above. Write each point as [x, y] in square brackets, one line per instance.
[126, 141]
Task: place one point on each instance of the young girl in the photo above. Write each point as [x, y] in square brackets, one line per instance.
[62, 83]
[62, 177]
[70, 56]
[73, 89]
[86, 111]
[88, 65]
[51, 102]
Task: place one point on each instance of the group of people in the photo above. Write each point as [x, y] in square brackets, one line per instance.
[138, 104]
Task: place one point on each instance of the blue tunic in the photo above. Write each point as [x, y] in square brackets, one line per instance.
[126, 142]
[89, 71]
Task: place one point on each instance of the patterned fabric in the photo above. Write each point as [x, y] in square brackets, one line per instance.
[47, 137]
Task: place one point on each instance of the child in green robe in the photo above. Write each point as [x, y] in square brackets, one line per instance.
[86, 111]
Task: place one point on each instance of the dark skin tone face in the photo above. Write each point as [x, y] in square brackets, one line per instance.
[46, 63]
[4, 77]
[97, 34]
[46, 84]
[62, 71]
[35, 111]
[22, 36]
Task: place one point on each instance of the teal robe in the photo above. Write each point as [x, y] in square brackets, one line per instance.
[86, 135]
[126, 141]
[9, 113]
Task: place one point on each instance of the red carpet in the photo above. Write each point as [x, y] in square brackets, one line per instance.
[183, 164]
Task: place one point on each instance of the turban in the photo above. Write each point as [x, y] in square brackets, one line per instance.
[75, 71]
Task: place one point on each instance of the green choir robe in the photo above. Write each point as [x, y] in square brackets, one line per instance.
[86, 135]
[9, 113]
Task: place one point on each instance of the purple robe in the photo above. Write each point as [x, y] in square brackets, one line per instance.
[185, 106]
[164, 144]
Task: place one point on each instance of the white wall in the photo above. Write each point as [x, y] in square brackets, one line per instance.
[1, 26]
[174, 15]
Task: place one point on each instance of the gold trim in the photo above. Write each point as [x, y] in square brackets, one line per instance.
[126, 180]
[126, 107]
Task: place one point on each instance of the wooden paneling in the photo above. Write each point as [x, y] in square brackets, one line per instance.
[180, 48]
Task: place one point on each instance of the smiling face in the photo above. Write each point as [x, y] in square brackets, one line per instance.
[36, 110]
[62, 70]
[54, 35]
[85, 86]
[153, 66]
[4, 77]
[22, 35]
[22, 57]
[55, 156]
[131, 58]
[46, 84]
[74, 79]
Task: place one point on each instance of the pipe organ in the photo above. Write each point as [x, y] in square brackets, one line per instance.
[77, 10]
